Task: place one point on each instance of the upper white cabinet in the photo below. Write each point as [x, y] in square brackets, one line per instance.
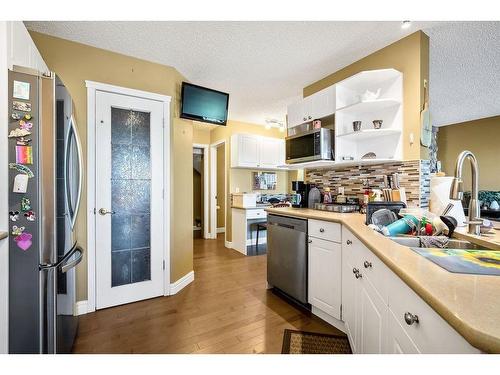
[252, 151]
[366, 97]
[21, 48]
[316, 106]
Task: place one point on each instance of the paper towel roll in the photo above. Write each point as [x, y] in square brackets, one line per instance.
[440, 197]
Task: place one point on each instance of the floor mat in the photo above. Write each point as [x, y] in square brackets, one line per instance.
[300, 342]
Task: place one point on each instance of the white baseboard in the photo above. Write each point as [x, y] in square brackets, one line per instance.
[329, 319]
[180, 284]
[80, 308]
[228, 244]
[221, 230]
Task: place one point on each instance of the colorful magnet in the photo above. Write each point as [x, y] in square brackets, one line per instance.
[28, 116]
[16, 133]
[21, 90]
[25, 204]
[24, 241]
[23, 141]
[24, 154]
[21, 168]
[16, 116]
[21, 106]
[14, 215]
[16, 231]
[25, 125]
[20, 183]
[30, 216]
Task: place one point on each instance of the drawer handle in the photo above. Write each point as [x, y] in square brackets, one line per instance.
[411, 318]
[321, 230]
[367, 264]
[358, 275]
[355, 270]
[349, 242]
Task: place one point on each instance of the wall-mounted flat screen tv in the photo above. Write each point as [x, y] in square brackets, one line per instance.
[204, 104]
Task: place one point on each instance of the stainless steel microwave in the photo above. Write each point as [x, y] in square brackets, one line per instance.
[316, 144]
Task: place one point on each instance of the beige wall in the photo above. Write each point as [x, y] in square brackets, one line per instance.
[410, 56]
[482, 137]
[221, 191]
[224, 133]
[201, 137]
[74, 63]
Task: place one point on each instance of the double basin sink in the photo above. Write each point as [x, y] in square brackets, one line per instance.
[457, 256]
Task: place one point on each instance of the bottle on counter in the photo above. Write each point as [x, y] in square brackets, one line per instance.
[327, 196]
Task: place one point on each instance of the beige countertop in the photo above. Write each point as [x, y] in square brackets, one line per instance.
[252, 208]
[3, 235]
[490, 240]
[469, 303]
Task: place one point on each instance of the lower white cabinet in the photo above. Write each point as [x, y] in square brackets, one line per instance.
[324, 276]
[383, 315]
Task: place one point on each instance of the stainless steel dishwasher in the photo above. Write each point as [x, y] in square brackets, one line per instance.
[287, 255]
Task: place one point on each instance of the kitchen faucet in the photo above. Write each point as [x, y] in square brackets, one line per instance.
[457, 189]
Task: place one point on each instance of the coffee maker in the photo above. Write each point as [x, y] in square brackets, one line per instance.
[301, 190]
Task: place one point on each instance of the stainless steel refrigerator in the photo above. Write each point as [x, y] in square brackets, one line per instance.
[45, 181]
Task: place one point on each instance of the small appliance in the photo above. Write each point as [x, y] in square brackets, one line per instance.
[302, 190]
[316, 144]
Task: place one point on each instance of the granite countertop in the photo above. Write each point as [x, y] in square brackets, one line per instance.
[3, 235]
[469, 303]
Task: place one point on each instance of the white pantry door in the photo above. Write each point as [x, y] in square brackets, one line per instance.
[129, 199]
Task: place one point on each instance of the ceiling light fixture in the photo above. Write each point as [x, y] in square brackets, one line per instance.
[405, 24]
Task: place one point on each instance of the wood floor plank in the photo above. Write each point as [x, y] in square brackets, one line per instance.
[226, 309]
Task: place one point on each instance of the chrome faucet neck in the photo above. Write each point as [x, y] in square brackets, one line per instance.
[457, 189]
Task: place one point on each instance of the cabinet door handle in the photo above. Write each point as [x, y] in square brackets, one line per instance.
[358, 275]
[355, 270]
[411, 318]
[349, 242]
[367, 264]
[305, 118]
[309, 117]
[310, 241]
[321, 230]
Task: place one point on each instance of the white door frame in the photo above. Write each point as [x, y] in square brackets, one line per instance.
[206, 187]
[213, 187]
[92, 88]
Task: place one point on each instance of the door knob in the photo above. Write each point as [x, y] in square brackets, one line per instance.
[103, 211]
[411, 318]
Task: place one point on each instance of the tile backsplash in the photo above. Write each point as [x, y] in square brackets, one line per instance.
[414, 176]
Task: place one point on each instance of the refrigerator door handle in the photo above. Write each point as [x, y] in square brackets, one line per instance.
[63, 263]
[69, 265]
[73, 132]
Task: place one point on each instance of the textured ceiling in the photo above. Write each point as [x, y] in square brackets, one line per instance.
[464, 71]
[265, 65]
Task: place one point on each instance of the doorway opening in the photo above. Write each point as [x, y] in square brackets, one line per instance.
[200, 191]
[218, 182]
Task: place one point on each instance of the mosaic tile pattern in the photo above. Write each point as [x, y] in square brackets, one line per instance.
[414, 176]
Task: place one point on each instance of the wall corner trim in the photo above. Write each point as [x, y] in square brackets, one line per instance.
[80, 308]
[180, 284]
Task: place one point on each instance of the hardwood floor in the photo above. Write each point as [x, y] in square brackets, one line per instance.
[227, 309]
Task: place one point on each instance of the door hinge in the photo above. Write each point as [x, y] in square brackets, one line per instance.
[163, 123]
[340, 311]
[94, 211]
[163, 264]
[162, 193]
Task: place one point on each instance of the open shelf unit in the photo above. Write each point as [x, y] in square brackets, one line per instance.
[385, 142]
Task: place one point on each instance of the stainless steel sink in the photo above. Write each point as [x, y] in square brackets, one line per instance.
[452, 243]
